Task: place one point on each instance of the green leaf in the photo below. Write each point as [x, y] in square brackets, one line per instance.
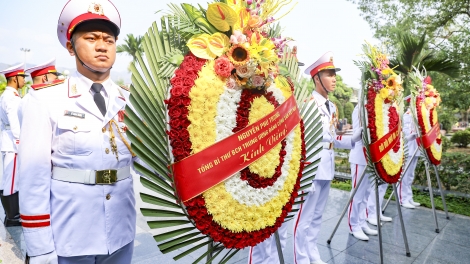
[146, 198]
[178, 240]
[184, 244]
[160, 213]
[171, 234]
[167, 223]
[191, 250]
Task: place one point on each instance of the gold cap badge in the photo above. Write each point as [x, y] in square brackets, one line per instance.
[95, 8]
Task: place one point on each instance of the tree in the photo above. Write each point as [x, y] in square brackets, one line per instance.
[412, 53]
[445, 22]
[131, 47]
[348, 110]
[3, 83]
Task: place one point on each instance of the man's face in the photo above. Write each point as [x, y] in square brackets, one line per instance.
[20, 81]
[95, 45]
[51, 77]
[328, 78]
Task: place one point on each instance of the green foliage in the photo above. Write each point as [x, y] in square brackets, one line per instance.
[348, 110]
[3, 83]
[446, 117]
[412, 53]
[132, 46]
[445, 24]
[454, 172]
[461, 138]
[446, 144]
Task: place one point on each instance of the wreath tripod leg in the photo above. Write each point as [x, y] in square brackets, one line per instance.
[403, 231]
[279, 248]
[431, 195]
[347, 205]
[379, 228]
[442, 193]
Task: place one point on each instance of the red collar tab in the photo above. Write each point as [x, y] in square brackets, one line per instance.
[45, 85]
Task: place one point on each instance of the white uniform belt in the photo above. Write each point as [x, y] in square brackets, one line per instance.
[6, 127]
[91, 176]
[328, 145]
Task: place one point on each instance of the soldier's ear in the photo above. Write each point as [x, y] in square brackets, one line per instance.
[70, 48]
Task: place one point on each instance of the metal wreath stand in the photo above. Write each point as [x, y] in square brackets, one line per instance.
[372, 170]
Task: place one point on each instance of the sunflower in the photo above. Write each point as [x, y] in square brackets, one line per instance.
[238, 55]
[391, 82]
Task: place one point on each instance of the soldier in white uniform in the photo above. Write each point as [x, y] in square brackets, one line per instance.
[266, 251]
[308, 219]
[371, 209]
[44, 75]
[404, 190]
[77, 201]
[9, 102]
[357, 209]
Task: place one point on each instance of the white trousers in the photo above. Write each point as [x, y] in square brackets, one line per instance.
[307, 223]
[1, 171]
[120, 256]
[357, 207]
[10, 171]
[371, 209]
[404, 190]
[266, 251]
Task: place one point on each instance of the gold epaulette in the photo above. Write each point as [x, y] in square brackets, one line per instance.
[45, 85]
[124, 88]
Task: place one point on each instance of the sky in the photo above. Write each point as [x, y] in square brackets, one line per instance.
[317, 26]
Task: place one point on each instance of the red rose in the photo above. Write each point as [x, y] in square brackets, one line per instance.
[176, 91]
[187, 144]
[174, 112]
[184, 134]
[223, 67]
[175, 123]
[188, 82]
[177, 81]
[177, 152]
[173, 134]
[180, 72]
[185, 101]
[175, 101]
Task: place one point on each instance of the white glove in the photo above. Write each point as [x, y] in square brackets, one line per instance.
[411, 136]
[357, 135]
[49, 258]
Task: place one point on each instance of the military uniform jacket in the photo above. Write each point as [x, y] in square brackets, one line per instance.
[357, 155]
[409, 128]
[63, 127]
[9, 102]
[326, 168]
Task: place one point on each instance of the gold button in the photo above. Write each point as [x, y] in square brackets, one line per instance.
[106, 150]
[75, 128]
[108, 196]
[103, 129]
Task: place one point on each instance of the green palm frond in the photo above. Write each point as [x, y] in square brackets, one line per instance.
[414, 54]
[132, 46]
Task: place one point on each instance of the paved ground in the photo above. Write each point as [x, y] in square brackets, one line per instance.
[451, 245]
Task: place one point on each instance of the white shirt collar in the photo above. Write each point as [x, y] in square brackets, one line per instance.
[86, 84]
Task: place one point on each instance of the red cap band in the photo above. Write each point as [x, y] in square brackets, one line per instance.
[14, 73]
[43, 71]
[82, 18]
[323, 66]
